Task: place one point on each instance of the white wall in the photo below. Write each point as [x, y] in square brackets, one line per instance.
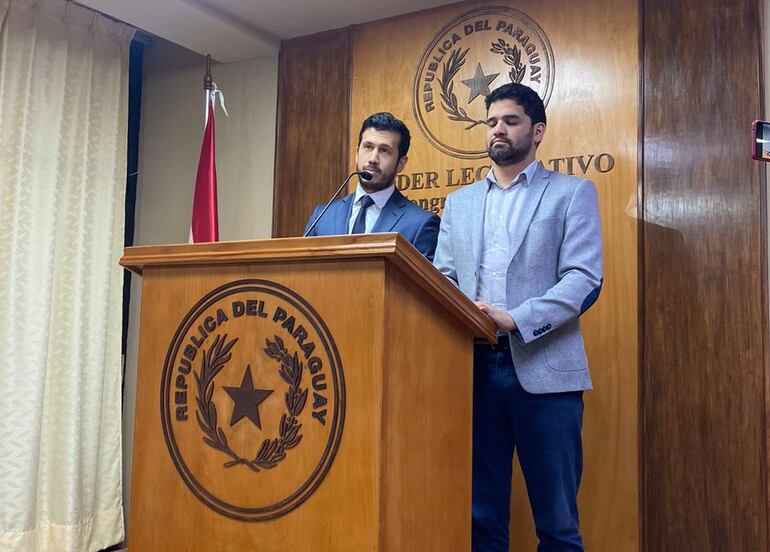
[170, 141]
[169, 146]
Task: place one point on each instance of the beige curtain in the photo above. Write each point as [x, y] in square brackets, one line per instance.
[63, 111]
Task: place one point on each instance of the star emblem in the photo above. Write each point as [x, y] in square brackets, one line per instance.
[247, 400]
[479, 84]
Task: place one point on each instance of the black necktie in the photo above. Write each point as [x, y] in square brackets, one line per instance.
[359, 226]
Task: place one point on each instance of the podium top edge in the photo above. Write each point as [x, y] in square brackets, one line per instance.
[137, 258]
[391, 246]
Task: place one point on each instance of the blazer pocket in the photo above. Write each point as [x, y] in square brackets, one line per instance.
[566, 353]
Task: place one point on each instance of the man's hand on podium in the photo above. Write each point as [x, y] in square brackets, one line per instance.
[502, 319]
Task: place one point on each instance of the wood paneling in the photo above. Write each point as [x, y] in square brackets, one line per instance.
[702, 306]
[312, 129]
[421, 424]
[703, 405]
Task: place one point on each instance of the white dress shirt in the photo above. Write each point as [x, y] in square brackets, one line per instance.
[502, 209]
[380, 198]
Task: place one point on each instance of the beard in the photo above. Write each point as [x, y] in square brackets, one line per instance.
[511, 153]
[380, 180]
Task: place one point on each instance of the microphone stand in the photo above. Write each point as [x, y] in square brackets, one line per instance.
[364, 175]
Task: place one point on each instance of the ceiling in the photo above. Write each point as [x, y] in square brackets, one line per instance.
[234, 30]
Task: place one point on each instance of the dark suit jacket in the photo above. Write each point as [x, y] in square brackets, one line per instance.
[399, 215]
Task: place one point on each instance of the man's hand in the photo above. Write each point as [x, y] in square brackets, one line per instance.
[502, 319]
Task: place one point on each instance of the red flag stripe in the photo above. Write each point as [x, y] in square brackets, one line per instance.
[205, 219]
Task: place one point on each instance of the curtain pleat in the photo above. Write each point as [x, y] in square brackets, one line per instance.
[63, 126]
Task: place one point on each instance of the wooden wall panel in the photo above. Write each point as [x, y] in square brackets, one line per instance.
[702, 306]
[703, 410]
[312, 128]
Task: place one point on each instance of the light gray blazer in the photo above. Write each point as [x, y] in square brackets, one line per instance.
[555, 273]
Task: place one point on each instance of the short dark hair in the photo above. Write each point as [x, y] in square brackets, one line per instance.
[386, 121]
[522, 95]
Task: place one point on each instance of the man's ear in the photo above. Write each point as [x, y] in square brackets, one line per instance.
[401, 164]
[539, 132]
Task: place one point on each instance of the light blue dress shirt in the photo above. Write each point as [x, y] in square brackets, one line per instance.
[503, 207]
[373, 212]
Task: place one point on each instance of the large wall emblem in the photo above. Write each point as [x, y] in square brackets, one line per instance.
[469, 57]
[252, 399]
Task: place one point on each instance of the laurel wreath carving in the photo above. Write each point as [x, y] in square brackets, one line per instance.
[448, 98]
[512, 57]
[212, 363]
[271, 451]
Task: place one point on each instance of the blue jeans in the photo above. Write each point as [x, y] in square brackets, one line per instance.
[545, 431]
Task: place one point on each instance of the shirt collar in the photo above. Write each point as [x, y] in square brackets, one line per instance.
[528, 174]
[380, 197]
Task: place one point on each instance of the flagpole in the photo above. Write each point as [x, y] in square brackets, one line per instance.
[204, 222]
[208, 86]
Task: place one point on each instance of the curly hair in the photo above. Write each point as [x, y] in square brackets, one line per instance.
[522, 95]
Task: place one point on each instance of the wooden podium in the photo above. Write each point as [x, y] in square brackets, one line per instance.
[301, 394]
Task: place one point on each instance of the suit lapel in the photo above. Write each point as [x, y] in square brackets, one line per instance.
[532, 197]
[477, 204]
[342, 216]
[391, 213]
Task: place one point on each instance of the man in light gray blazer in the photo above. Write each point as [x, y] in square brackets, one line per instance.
[525, 245]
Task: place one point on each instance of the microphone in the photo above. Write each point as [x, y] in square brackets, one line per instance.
[362, 175]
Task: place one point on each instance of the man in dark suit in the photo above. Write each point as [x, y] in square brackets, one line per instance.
[376, 205]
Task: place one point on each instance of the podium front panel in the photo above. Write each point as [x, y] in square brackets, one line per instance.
[299, 406]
